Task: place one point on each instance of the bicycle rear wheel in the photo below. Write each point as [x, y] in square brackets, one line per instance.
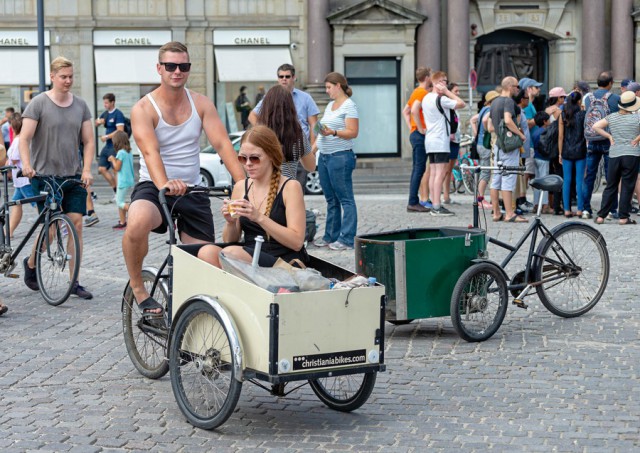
[57, 259]
[344, 393]
[574, 268]
[145, 339]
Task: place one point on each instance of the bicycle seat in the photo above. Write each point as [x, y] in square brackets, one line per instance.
[549, 183]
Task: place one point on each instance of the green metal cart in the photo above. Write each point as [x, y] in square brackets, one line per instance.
[421, 270]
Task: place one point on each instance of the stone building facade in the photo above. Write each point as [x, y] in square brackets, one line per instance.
[377, 44]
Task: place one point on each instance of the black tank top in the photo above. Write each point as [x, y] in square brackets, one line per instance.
[252, 229]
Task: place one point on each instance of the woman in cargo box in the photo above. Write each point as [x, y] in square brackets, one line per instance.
[264, 204]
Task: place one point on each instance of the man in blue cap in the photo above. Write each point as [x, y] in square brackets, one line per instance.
[532, 90]
[624, 85]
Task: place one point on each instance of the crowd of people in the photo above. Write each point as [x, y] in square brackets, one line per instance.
[55, 136]
[570, 137]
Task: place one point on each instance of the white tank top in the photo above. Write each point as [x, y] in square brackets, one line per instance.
[179, 146]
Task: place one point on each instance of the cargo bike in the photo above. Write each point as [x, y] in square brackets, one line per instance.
[447, 271]
[219, 331]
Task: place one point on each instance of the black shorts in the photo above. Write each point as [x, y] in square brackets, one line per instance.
[106, 152]
[438, 158]
[194, 216]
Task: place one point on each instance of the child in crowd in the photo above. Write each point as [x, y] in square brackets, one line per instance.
[22, 185]
[542, 161]
[123, 164]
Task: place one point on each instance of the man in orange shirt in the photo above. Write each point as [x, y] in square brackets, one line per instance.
[423, 75]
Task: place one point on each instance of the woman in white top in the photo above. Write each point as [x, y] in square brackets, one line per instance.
[336, 131]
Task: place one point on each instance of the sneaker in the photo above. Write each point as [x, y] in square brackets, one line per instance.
[30, 278]
[519, 211]
[80, 291]
[417, 208]
[528, 204]
[441, 212]
[522, 208]
[91, 220]
[634, 210]
[339, 246]
[427, 204]
[120, 226]
[320, 243]
[586, 215]
[612, 216]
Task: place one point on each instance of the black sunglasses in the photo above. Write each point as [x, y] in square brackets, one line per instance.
[282, 76]
[171, 67]
[253, 159]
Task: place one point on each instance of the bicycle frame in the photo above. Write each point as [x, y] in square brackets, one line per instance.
[534, 228]
[5, 218]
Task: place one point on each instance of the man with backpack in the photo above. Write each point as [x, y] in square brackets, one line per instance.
[113, 120]
[503, 111]
[597, 106]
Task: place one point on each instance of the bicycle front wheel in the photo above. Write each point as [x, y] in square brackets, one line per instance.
[479, 302]
[57, 259]
[573, 266]
[146, 338]
[203, 367]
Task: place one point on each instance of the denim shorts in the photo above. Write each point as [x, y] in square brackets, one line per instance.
[103, 160]
[74, 195]
[454, 150]
[23, 192]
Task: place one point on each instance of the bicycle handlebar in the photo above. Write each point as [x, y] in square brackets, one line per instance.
[162, 197]
[498, 167]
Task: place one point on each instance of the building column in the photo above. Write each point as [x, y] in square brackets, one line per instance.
[458, 35]
[593, 25]
[622, 39]
[318, 41]
[428, 37]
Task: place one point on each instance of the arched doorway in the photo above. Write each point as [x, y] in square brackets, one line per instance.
[511, 52]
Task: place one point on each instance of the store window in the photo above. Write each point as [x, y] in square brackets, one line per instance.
[376, 91]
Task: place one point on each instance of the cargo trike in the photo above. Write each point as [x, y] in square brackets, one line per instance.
[219, 331]
[447, 271]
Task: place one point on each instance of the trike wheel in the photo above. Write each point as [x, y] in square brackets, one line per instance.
[203, 367]
[479, 302]
[146, 338]
[57, 259]
[574, 270]
[344, 393]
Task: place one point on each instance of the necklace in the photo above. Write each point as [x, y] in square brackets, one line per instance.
[258, 206]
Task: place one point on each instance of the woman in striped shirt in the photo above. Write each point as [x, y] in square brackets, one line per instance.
[624, 156]
[337, 129]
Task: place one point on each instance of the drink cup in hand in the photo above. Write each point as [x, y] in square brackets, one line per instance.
[231, 207]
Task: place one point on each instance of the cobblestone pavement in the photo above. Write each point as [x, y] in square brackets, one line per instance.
[542, 383]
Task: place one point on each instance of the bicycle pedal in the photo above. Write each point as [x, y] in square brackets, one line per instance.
[520, 303]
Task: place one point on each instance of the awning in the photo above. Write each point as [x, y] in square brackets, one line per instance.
[250, 64]
[20, 66]
[126, 65]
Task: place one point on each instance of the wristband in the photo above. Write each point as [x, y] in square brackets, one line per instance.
[335, 133]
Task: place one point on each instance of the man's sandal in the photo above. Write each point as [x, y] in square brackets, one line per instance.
[150, 304]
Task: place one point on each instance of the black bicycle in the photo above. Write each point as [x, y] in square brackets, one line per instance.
[57, 248]
[146, 336]
[568, 266]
